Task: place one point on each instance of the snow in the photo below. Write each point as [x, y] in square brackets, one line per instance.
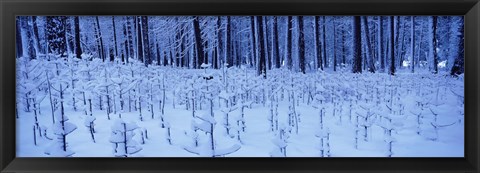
[442, 64]
[89, 120]
[225, 151]
[380, 97]
[205, 65]
[64, 129]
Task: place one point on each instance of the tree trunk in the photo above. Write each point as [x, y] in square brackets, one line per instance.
[412, 44]
[458, 65]
[146, 41]
[78, 47]
[18, 37]
[261, 49]
[126, 52]
[131, 49]
[434, 40]
[219, 43]
[158, 52]
[268, 48]
[27, 35]
[289, 45]
[344, 51]
[397, 37]
[392, 50]
[324, 43]
[68, 35]
[139, 27]
[368, 48]
[401, 51]
[275, 42]
[380, 44]
[37, 36]
[198, 41]
[115, 36]
[99, 34]
[357, 50]
[301, 45]
[228, 44]
[253, 40]
[317, 43]
[334, 46]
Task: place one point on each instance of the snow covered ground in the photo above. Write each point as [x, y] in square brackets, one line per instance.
[318, 114]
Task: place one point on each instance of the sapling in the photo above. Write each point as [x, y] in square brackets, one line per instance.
[327, 149]
[163, 96]
[36, 99]
[388, 126]
[90, 124]
[61, 128]
[209, 148]
[418, 118]
[28, 79]
[193, 96]
[272, 116]
[50, 97]
[357, 129]
[226, 111]
[143, 134]
[123, 86]
[87, 84]
[318, 104]
[239, 127]
[365, 121]
[107, 83]
[150, 102]
[122, 138]
[242, 106]
[324, 135]
[139, 100]
[437, 127]
[293, 116]
[193, 134]
[168, 133]
[281, 142]
[72, 67]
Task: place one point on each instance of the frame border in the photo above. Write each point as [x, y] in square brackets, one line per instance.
[11, 8]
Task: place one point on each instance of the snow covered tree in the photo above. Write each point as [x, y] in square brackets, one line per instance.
[209, 148]
[281, 142]
[56, 35]
[122, 138]
[28, 37]
[458, 66]
[90, 124]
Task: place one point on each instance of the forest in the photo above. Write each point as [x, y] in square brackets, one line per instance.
[240, 86]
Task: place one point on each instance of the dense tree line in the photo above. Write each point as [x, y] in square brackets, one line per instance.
[300, 43]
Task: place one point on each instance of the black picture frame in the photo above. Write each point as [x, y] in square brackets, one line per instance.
[11, 8]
